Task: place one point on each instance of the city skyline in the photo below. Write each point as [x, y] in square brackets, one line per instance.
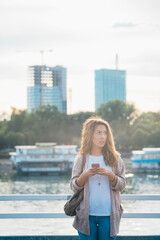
[85, 36]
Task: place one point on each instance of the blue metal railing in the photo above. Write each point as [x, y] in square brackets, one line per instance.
[65, 197]
[62, 215]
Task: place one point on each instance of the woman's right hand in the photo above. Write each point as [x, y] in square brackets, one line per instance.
[90, 172]
[85, 175]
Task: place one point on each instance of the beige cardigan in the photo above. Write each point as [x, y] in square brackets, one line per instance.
[81, 221]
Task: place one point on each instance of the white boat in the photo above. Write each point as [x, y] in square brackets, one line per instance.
[43, 158]
[147, 159]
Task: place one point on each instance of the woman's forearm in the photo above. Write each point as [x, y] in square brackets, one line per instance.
[84, 176]
[82, 179]
[113, 179]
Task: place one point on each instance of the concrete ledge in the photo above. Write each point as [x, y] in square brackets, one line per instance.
[71, 237]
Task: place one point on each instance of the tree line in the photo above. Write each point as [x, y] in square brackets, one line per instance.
[131, 129]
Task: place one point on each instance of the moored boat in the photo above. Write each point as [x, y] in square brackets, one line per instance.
[146, 160]
[43, 158]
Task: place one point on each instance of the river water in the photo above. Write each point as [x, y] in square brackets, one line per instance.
[10, 183]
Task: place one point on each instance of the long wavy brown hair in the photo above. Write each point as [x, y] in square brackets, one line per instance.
[109, 152]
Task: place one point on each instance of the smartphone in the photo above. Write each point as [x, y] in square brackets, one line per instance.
[95, 165]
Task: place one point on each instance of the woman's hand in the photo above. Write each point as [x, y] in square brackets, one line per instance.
[85, 175]
[106, 172]
[103, 171]
[90, 172]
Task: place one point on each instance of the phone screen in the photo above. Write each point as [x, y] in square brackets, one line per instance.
[95, 165]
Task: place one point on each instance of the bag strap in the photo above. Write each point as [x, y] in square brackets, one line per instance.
[84, 160]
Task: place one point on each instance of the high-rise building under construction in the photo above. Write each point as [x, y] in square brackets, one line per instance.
[46, 85]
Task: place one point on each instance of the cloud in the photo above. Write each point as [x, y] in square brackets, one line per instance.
[124, 25]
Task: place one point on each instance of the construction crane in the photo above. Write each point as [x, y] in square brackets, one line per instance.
[42, 68]
[41, 52]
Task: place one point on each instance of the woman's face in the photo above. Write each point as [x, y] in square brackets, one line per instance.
[99, 136]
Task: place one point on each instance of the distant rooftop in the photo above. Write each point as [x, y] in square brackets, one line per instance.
[146, 150]
[151, 149]
[66, 146]
[111, 70]
[138, 152]
[26, 146]
[49, 144]
[45, 144]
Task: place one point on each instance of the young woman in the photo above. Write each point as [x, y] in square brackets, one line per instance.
[102, 175]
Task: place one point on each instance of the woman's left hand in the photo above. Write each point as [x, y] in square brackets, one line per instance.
[105, 172]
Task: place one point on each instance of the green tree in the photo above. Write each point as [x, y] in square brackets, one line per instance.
[131, 130]
[116, 110]
[121, 116]
[145, 130]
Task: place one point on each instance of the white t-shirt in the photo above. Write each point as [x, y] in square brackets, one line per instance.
[99, 190]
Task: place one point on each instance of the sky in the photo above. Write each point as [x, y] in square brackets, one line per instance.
[85, 35]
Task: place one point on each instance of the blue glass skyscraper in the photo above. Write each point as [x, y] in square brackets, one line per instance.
[46, 85]
[110, 84]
